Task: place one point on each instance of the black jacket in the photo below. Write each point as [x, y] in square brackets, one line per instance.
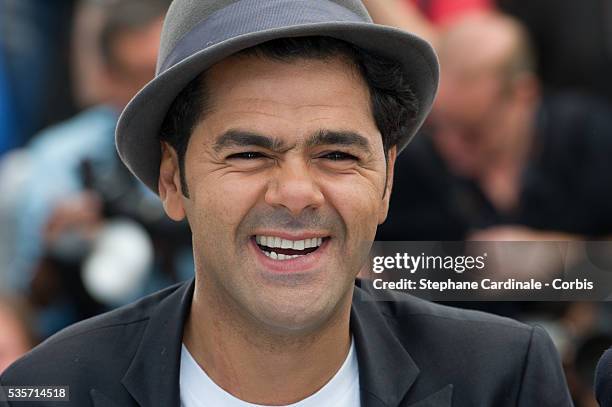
[411, 353]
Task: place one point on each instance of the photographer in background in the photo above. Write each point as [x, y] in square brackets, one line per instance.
[86, 230]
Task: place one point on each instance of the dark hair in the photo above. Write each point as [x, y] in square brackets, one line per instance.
[124, 16]
[394, 105]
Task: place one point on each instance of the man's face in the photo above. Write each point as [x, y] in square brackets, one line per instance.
[471, 114]
[286, 176]
[135, 56]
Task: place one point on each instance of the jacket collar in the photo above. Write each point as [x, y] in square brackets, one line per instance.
[153, 376]
[386, 370]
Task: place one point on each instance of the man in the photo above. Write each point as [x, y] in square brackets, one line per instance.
[503, 161]
[129, 46]
[280, 122]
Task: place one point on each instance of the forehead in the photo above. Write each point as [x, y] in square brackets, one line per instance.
[477, 45]
[140, 45]
[295, 97]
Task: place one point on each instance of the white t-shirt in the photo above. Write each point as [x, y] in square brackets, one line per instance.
[198, 389]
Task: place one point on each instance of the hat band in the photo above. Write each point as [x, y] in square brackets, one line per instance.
[251, 16]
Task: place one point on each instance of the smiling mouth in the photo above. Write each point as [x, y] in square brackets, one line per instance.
[278, 248]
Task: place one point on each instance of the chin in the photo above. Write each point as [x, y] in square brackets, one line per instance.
[298, 315]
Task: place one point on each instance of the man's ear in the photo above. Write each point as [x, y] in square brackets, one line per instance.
[384, 205]
[169, 184]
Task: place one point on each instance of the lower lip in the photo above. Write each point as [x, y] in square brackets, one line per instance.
[299, 264]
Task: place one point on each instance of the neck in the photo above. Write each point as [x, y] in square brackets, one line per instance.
[263, 365]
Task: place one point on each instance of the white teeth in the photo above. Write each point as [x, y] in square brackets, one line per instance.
[280, 256]
[278, 242]
[299, 245]
[314, 242]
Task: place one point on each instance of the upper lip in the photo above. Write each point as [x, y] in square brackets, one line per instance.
[291, 235]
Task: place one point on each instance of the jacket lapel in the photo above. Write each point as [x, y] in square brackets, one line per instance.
[153, 376]
[386, 370]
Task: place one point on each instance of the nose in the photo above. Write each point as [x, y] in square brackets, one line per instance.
[294, 188]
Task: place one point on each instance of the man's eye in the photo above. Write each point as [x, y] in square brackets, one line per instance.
[339, 156]
[248, 155]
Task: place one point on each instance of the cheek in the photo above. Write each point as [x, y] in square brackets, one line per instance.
[221, 203]
[358, 201]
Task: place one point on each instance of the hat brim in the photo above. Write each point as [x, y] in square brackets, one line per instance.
[137, 135]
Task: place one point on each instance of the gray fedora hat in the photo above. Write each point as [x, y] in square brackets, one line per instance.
[199, 33]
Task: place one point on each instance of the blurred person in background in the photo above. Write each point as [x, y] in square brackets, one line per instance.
[502, 161]
[71, 223]
[16, 335]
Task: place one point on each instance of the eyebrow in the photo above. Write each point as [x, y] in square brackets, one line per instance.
[343, 138]
[240, 138]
